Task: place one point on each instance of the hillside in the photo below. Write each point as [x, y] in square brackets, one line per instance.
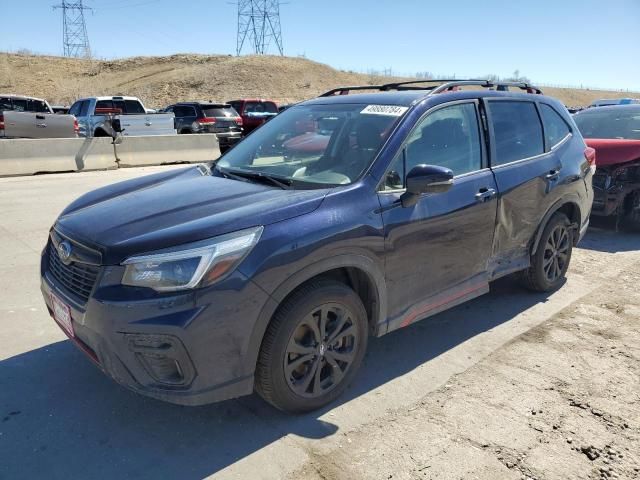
[163, 80]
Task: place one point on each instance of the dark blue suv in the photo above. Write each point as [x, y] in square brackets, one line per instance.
[345, 216]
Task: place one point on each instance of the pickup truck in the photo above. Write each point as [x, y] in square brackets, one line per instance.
[254, 112]
[28, 117]
[95, 116]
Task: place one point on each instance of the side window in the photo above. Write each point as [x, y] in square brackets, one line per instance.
[38, 106]
[84, 108]
[555, 128]
[75, 109]
[20, 105]
[133, 107]
[517, 130]
[448, 137]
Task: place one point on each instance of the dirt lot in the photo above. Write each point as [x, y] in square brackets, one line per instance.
[561, 401]
[160, 81]
[509, 385]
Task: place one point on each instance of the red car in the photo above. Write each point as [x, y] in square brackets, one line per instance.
[254, 112]
[614, 132]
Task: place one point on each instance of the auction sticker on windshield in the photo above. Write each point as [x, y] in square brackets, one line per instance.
[62, 314]
[388, 110]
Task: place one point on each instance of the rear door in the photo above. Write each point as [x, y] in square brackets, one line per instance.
[438, 249]
[50, 125]
[526, 174]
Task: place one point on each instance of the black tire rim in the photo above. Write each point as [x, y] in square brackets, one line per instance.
[556, 253]
[320, 351]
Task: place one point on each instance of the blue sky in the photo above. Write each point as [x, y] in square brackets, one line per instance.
[575, 42]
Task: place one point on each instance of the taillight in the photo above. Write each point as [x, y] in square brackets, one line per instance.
[590, 155]
[239, 121]
[205, 121]
[76, 127]
[1, 122]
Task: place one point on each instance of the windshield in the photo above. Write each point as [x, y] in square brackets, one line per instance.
[620, 123]
[315, 144]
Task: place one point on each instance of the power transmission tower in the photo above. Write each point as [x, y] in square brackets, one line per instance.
[259, 25]
[74, 29]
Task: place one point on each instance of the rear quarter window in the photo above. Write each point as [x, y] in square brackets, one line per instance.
[517, 131]
[555, 128]
[5, 104]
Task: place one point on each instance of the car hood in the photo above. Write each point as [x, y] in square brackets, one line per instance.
[612, 151]
[173, 208]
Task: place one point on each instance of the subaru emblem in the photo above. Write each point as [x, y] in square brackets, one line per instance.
[64, 250]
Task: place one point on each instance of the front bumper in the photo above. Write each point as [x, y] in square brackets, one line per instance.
[188, 348]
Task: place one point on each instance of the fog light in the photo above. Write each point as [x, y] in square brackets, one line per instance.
[163, 357]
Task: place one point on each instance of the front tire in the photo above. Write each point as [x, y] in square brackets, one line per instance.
[313, 347]
[550, 261]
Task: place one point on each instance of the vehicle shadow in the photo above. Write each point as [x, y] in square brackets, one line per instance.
[602, 236]
[60, 415]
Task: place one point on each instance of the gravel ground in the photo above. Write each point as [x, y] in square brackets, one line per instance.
[561, 401]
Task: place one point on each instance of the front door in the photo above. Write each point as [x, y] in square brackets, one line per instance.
[438, 249]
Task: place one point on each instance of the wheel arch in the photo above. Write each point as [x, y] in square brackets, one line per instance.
[359, 272]
[570, 207]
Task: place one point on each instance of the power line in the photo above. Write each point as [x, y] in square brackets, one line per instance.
[259, 25]
[75, 40]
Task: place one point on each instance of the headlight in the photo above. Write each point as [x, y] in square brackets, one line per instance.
[200, 264]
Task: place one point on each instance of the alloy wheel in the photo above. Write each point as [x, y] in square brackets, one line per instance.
[321, 350]
[556, 253]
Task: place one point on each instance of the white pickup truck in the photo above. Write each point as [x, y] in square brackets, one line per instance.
[28, 117]
[95, 116]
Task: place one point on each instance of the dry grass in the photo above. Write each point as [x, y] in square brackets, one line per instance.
[159, 81]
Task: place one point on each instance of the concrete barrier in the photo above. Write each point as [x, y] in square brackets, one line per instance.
[161, 149]
[30, 156]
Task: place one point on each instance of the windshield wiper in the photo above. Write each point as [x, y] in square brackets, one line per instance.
[243, 175]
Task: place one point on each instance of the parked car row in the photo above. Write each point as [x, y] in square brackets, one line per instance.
[97, 116]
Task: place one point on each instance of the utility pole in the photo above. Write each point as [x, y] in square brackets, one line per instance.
[259, 25]
[75, 40]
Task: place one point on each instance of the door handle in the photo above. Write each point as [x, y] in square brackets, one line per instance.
[148, 124]
[40, 117]
[485, 194]
[553, 174]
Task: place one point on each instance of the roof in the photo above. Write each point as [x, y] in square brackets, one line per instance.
[408, 98]
[610, 108]
[21, 97]
[200, 102]
[111, 97]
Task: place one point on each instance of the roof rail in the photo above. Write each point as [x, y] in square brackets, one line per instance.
[439, 87]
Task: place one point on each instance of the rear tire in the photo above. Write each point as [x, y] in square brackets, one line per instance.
[550, 261]
[313, 347]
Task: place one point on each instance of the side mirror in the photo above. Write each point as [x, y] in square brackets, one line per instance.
[426, 179]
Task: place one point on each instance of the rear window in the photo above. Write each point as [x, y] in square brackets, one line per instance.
[260, 107]
[128, 107]
[219, 111]
[517, 130]
[38, 106]
[620, 123]
[555, 128]
[19, 105]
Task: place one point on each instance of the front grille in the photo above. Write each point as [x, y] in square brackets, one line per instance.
[77, 278]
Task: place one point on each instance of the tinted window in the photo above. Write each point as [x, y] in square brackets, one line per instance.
[260, 107]
[614, 122]
[20, 105]
[133, 107]
[5, 104]
[184, 111]
[84, 108]
[517, 130]
[75, 109]
[105, 104]
[449, 138]
[555, 128]
[38, 106]
[236, 105]
[218, 111]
